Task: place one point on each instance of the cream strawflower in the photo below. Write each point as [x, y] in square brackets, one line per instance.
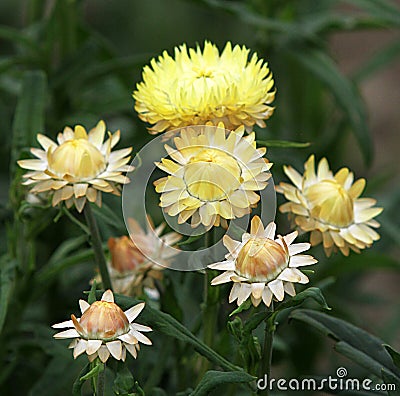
[329, 206]
[137, 261]
[213, 175]
[79, 167]
[104, 330]
[262, 267]
[200, 86]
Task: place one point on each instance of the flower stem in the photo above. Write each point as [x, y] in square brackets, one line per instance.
[210, 304]
[101, 383]
[266, 360]
[97, 247]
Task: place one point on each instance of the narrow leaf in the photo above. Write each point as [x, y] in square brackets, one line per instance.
[169, 326]
[282, 144]
[7, 275]
[353, 342]
[213, 379]
[344, 91]
[29, 114]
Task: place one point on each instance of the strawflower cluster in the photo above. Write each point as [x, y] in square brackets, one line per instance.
[215, 172]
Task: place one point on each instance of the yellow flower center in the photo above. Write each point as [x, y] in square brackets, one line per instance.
[103, 321]
[330, 203]
[202, 72]
[77, 159]
[261, 260]
[212, 175]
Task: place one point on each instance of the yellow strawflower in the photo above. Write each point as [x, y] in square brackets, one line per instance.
[196, 87]
[213, 175]
[104, 330]
[78, 167]
[262, 267]
[330, 207]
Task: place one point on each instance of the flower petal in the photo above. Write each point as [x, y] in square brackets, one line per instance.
[71, 333]
[108, 296]
[104, 353]
[62, 325]
[140, 337]
[93, 346]
[115, 348]
[276, 286]
[79, 348]
[83, 305]
[133, 312]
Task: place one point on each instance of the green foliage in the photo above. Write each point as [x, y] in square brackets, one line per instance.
[355, 343]
[213, 379]
[66, 62]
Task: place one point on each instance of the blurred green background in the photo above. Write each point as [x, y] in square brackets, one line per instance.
[336, 69]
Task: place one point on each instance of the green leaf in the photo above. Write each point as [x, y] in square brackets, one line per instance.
[18, 38]
[94, 372]
[191, 239]
[66, 248]
[77, 386]
[29, 114]
[351, 341]
[282, 144]
[378, 61]
[48, 273]
[242, 307]
[383, 10]
[92, 294]
[344, 91]
[394, 354]
[57, 376]
[108, 216]
[312, 292]
[7, 275]
[169, 326]
[392, 383]
[213, 379]
[124, 381]
[356, 263]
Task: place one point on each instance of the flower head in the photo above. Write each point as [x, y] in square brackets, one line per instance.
[330, 207]
[213, 175]
[137, 261]
[200, 86]
[104, 330]
[262, 267]
[77, 168]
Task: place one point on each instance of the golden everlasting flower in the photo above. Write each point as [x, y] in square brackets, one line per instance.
[196, 87]
[104, 330]
[262, 267]
[329, 206]
[79, 167]
[213, 175]
[137, 261]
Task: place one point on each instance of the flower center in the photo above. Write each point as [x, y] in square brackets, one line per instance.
[103, 321]
[261, 260]
[212, 175]
[330, 203]
[202, 72]
[77, 159]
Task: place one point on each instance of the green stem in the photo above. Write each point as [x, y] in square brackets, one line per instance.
[97, 247]
[101, 383]
[266, 360]
[210, 307]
